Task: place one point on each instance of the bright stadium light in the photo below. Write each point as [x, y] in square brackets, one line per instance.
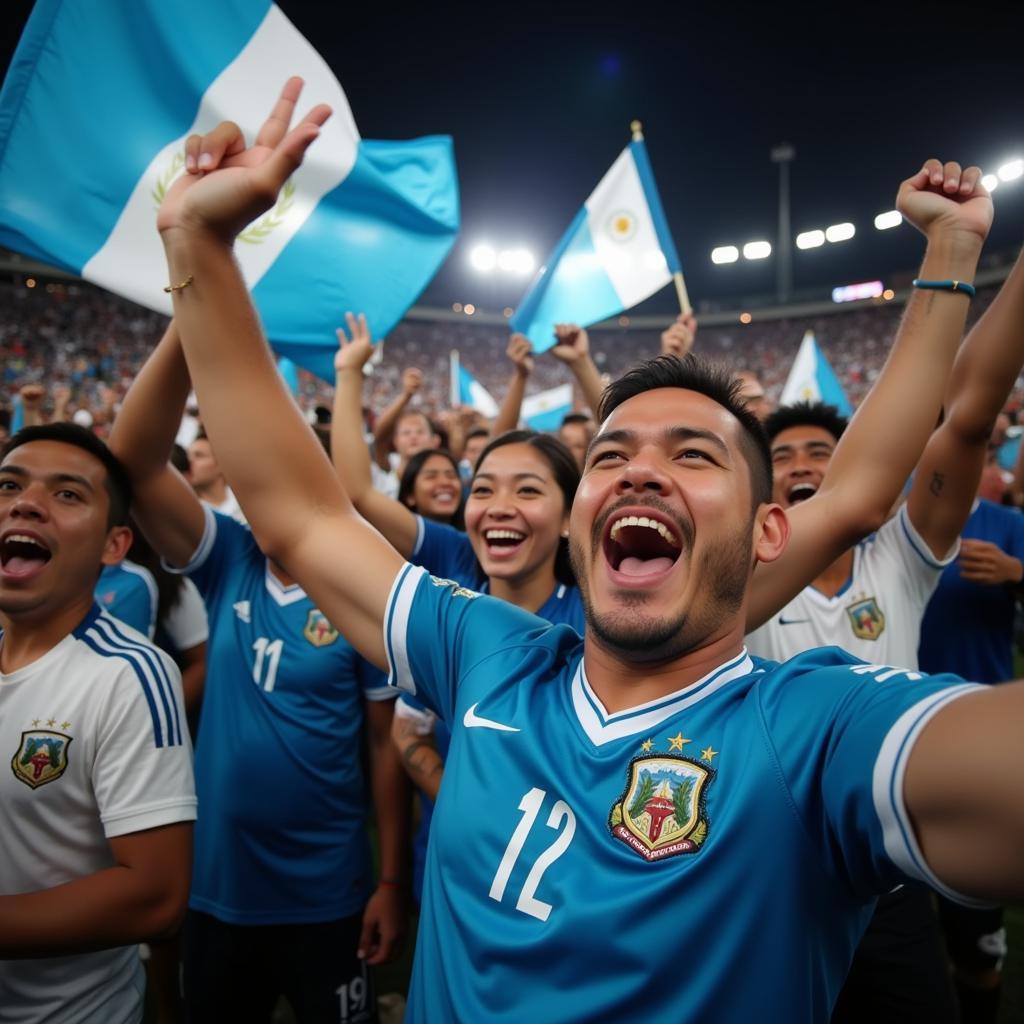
[516, 261]
[1011, 171]
[840, 232]
[757, 250]
[991, 182]
[810, 239]
[725, 254]
[483, 258]
[890, 219]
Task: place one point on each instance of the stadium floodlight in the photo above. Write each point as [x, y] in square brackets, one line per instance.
[757, 250]
[725, 254]
[810, 239]
[483, 258]
[1011, 171]
[991, 182]
[890, 219]
[516, 261]
[840, 232]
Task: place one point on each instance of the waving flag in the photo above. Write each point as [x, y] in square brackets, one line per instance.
[546, 409]
[94, 112]
[467, 390]
[812, 379]
[617, 251]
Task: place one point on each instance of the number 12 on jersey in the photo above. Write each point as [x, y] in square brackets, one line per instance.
[530, 805]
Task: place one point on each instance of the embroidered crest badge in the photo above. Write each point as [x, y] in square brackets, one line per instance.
[41, 757]
[457, 589]
[866, 619]
[318, 631]
[661, 812]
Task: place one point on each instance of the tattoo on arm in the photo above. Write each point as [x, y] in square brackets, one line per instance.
[938, 482]
[421, 760]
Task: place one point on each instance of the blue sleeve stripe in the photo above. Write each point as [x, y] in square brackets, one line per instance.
[661, 228]
[396, 625]
[90, 639]
[153, 659]
[918, 544]
[202, 552]
[149, 663]
[887, 790]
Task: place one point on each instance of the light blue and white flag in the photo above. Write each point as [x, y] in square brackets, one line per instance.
[94, 112]
[546, 409]
[812, 379]
[617, 252]
[289, 374]
[467, 390]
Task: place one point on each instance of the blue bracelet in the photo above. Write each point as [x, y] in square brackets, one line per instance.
[946, 286]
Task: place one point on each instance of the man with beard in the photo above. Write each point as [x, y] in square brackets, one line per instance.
[649, 798]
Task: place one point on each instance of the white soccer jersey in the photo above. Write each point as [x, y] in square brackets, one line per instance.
[876, 616]
[95, 737]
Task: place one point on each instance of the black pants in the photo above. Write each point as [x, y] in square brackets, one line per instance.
[238, 972]
[899, 973]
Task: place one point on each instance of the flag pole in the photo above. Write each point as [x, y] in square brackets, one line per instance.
[637, 128]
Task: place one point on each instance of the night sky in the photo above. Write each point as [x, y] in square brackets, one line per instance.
[539, 101]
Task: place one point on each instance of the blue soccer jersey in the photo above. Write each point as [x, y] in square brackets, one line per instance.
[281, 836]
[448, 553]
[968, 626]
[711, 855]
[128, 592]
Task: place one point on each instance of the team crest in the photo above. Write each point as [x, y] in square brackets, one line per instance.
[457, 589]
[866, 619]
[661, 812]
[621, 226]
[318, 631]
[42, 757]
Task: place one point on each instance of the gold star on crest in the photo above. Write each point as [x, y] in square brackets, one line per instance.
[647, 746]
[678, 742]
[35, 722]
[51, 721]
[708, 753]
[65, 725]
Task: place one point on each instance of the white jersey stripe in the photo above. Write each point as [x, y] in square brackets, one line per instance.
[403, 590]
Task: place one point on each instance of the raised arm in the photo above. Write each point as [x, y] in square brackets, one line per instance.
[984, 374]
[298, 510]
[164, 505]
[677, 339]
[886, 437]
[573, 349]
[520, 353]
[384, 428]
[349, 453]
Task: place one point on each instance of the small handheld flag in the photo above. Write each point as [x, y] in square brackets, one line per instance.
[812, 379]
[467, 390]
[545, 410]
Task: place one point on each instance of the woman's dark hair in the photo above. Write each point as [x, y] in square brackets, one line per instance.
[713, 380]
[407, 485]
[566, 474]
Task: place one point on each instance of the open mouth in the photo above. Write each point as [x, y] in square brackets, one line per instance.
[503, 543]
[444, 497]
[22, 554]
[641, 546]
[801, 492]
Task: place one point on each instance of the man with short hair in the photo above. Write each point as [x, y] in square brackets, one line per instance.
[96, 810]
[208, 481]
[648, 798]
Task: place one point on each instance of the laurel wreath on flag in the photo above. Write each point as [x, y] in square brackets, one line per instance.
[254, 234]
[163, 183]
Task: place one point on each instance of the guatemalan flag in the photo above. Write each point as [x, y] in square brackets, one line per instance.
[545, 410]
[94, 112]
[812, 379]
[467, 390]
[617, 252]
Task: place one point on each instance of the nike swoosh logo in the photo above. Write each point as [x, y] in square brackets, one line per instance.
[471, 720]
[791, 622]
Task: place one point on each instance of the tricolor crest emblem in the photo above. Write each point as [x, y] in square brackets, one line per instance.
[866, 619]
[42, 757]
[661, 812]
[318, 631]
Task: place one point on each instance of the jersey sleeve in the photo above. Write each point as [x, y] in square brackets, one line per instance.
[372, 681]
[445, 552]
[842, 732]
[1015, 536]
[436, 631]
[921, 568]
[186, 623]
[224, 542]
[142, 766]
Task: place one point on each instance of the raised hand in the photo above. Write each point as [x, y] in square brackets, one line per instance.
[520, 352]
[356, 347]
[943, 197]
[573, 343]
[32, 395]
[677, 339]
[226, 185]
[412, 381]
[984, 562]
